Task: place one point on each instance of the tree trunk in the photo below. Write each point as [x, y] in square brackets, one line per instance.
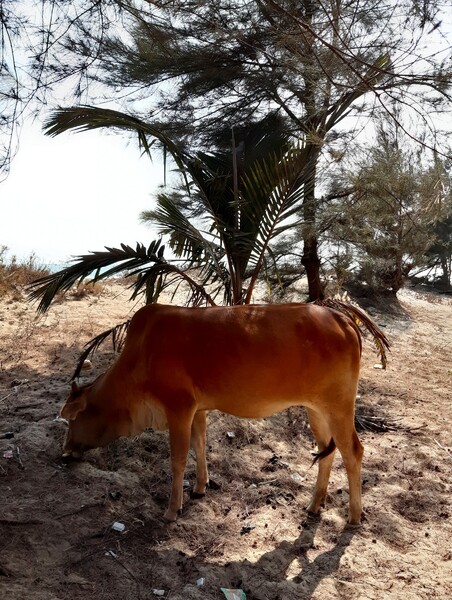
[311, 263]
[310, 259]
[446, 275]
[315, 130]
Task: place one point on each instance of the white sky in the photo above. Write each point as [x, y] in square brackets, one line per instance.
[75, 193]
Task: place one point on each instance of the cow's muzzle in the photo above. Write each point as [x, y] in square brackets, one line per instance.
[69, 457]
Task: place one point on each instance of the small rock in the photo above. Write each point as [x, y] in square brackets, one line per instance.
[247, 528]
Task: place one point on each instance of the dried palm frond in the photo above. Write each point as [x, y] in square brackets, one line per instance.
[361, 318]
[117, 334]
[377, 424]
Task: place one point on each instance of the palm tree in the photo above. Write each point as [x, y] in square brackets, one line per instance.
[236, 201]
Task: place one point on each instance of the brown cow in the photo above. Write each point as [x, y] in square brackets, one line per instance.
[249, 361]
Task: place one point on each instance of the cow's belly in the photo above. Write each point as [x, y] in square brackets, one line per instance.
[254, 405]
[255, 410]
[262, 396]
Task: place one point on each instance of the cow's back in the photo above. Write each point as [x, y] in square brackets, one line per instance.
[248, 360]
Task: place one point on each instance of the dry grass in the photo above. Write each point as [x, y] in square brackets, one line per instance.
[15, 274]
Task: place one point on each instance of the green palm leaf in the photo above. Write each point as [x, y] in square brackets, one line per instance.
[202, 249]
[272, 192]
[147, 265]
[86, 118]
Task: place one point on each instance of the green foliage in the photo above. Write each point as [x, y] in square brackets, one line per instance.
[439, 255]
[195, 66]
[205, 64]
[385, 227]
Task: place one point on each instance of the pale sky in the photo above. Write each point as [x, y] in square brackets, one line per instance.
[75, 193]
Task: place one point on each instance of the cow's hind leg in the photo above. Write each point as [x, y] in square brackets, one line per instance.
[179, 425]
[198, 443]
[351, 449]
[322, 433]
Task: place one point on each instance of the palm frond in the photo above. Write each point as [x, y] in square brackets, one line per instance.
[379, 71]
[185, 239]
[377, 424]
[273, 191]
[86, 118]
[104, 264]
[361, 318]
[148, 265]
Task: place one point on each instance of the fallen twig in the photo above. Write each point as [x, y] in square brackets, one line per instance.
[441, 446]
[77, 510]
[17, 457]
[14, 390]
[122, 515]
[123, 566]
[80, 560]
[16, 522]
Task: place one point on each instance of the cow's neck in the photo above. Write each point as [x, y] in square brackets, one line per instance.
[134, 410]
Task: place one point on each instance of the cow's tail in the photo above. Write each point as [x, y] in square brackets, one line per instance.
[361, 319]
[324, 453]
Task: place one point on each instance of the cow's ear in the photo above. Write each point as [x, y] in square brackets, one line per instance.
[73, 406]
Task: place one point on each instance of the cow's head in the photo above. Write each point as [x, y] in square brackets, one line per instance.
[88, 425]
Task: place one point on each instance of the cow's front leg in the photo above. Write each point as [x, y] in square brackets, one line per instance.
[179, 433]
[198, 443]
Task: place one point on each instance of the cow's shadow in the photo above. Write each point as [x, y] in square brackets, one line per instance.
[312, 572]
[284, 573]
[268, 577]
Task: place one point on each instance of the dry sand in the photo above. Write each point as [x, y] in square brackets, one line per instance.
[56, 540]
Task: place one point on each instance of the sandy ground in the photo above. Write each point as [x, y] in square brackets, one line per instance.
[56, 539]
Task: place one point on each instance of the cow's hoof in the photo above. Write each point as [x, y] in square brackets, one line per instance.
[196, 496]
[356, 521]
[351, 527]
[68, 459]
[353, 524]
[313, 516]
[170, 516]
